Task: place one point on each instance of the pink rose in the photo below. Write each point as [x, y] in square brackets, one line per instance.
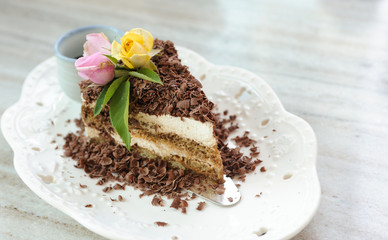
[96, 42]
[96, 67]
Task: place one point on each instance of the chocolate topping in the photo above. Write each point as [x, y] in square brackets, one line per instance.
[180, 96]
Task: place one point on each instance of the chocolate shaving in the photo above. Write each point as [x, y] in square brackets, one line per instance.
[157, 201]
[258, 195]
[176, 203]
[107, 189]
[88, 205]
[201, 206]
[161, 224]
[83, 186]
[234, 162]
[244, 141]
[117, 186]
[220, 190]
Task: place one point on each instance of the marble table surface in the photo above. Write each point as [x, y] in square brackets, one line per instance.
[326, 59]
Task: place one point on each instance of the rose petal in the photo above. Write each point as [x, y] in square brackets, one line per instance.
[139, 60]
[115, 49]
[127, 63]
[148, 40]
[136, 48]
[95, 67]
[96, 42]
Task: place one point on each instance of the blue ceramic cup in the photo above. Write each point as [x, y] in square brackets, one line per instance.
[69, 47]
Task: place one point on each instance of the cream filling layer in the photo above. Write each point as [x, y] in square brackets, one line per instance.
[183, 127]
[159, 149]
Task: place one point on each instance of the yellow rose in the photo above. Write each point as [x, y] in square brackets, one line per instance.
[135, 50]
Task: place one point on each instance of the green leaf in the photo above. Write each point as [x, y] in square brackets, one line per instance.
[146, 74]
[118, 112]
[154, 52]
[112, 89]
[114, 60]
[100, 100]
[151, 74]
[151, 65]
[120, 72]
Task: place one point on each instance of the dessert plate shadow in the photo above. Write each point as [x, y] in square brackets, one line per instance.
[275, 204]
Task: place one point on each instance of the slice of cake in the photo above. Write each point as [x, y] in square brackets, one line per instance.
[173, 121]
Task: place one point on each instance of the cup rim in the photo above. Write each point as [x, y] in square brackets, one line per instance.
[75, 31]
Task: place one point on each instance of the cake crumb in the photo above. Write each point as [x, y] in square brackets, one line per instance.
[230, 199]
[83, 186]
[88, 205]
[120, 198]
[262, 169]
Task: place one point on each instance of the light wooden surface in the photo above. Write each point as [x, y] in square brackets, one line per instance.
[327, 61]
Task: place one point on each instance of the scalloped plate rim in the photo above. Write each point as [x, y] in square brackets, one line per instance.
[101, 229]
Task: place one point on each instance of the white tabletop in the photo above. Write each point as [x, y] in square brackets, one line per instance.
[326, 60]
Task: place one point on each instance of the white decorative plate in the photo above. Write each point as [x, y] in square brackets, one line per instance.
[290, 190]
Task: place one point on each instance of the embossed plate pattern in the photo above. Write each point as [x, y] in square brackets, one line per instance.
[288, 191]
